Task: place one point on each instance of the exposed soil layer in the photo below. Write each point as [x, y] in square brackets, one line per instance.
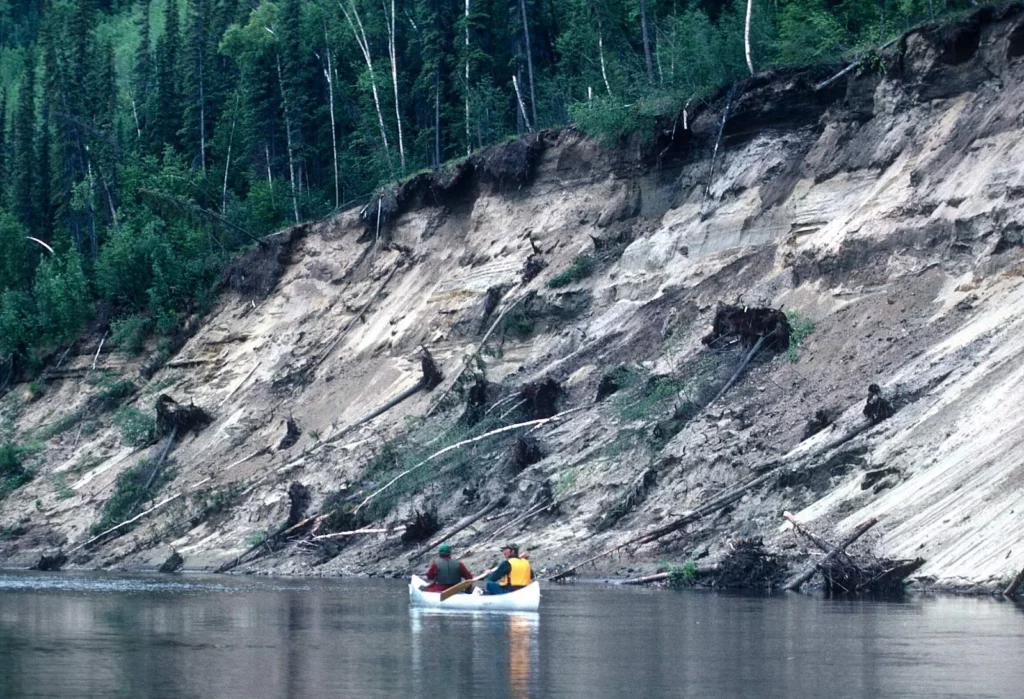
[885, 207]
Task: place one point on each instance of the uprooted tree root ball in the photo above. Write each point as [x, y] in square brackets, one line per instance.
[421, 526]
[541, 398]
[526, 451]
[254, 275]
[748, 565]
[845, 575]
[749, 324]
[171, 415]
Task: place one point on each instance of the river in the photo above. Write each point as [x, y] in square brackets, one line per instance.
[105, 635]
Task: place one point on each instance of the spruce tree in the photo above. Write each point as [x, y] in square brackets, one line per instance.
[196, 68]
[3, 145]
[166, 110]
[23, 170]
[141, 82]
[43, 197]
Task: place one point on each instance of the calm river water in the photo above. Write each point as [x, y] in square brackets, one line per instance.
[133, 636]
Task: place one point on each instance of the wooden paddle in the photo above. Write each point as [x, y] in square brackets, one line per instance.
[464, 585]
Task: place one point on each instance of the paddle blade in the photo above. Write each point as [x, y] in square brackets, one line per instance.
[457, 588]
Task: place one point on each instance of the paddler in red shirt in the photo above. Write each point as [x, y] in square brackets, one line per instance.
[444, 571]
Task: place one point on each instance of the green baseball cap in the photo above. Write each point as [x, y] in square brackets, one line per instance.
[444, 548]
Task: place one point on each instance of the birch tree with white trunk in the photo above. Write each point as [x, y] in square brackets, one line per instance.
[329, 75]
[359, 33]
[746, 37]
[389, 19]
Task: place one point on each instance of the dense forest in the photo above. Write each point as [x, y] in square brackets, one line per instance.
[143, 143]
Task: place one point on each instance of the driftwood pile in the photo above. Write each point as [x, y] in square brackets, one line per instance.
[747, 566]
[841, 573]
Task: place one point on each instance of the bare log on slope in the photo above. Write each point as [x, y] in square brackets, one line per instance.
[429, 380]
[714, 152]
[459, 445]
[139, 516]
[663, 577]
[462, 524]
[710, 507]
[797, 582]
[358, 532]
[288, 527]
[348, 326]
[469, 358]
[814, 538]
[743, 365]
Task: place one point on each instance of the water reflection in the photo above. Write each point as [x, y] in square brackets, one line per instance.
[111, 636]
[486, 649]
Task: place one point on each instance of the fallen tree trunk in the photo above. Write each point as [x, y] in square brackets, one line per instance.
[357, 532]
[646, 579]
[459, 445]
[491, 506]
[468, 359]
[431, 377]
[814, 538]
[283, 530]
[701, 512]
[139, 516]
[322, 357]
[743, 365]
[890, 579]
[797, 582]
[522, 519]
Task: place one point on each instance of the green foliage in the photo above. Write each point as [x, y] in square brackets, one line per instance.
[130, 494]
[518, 322]
[446, 473]
[129, 333]
[62, 298]
[610, 122]
[800, 327]
[137, 428]
[215, 501]
[13, 472]
[582, 267]
[18, 257]
[60, 482]
[809, 33]
[19, 326]
[113, 392]
[60, 426]
[566, 482]
[255, 539]
[682, 575]
[625, 440]
[651, 398]
[9, 533]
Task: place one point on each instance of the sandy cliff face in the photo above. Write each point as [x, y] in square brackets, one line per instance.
[886, 207]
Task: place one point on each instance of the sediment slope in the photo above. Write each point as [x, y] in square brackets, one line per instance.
[887, 207]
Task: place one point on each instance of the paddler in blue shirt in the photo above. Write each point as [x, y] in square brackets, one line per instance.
[511, 574]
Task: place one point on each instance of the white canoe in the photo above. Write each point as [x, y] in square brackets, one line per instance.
[526, 599]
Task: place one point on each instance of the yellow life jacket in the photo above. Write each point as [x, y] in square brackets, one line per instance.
[520, 575]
